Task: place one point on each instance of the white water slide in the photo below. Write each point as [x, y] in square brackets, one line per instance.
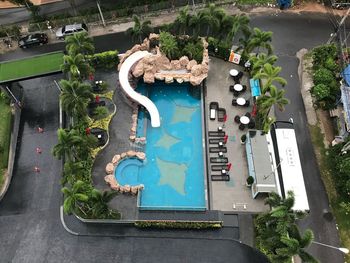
[143, 100]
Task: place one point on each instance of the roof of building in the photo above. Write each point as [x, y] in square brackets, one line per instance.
[262, 165]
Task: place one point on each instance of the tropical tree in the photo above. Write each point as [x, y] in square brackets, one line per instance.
[195, 23]
[79, 43]
[76, 65]
[258, 39]
[76, 197]
[140, 29]
[259, 61]
[75, 97]
[99, 204]
[67, 141]
[239, 23]
[182, 21]
[277, 233]
[270, 74]
[212, 16]
[168, 44]
[265, 103]
[74, 171]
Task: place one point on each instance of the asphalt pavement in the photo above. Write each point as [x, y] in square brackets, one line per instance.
[29, 214]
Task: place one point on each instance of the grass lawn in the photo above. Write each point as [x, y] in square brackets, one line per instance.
[5, 135]
[31, 66]
[341, 218]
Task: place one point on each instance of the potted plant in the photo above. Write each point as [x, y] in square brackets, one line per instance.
[243, 138]
[250, 181]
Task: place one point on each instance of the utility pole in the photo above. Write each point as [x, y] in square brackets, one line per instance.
[342, 21]
[100, 11]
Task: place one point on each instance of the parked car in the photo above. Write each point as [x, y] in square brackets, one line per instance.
[33, 40]
[68, 30]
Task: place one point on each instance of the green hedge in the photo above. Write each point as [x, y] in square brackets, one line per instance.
[218, 49]
[108, 59]
[178, 224]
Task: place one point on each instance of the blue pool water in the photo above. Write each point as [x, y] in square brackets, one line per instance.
[173, 172]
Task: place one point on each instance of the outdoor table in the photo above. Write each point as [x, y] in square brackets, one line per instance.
[221, 154]
[244, 120]
[234, 72]
[223, 172]
[238, 87]
[221, 144]
[241, 101]
[219, 128]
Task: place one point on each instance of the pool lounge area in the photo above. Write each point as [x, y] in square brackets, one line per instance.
[173, 173]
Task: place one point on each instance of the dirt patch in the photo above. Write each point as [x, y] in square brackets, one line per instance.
[314, 7]
[326, 126]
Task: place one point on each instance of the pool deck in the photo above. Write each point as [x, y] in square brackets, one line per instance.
[233, 196]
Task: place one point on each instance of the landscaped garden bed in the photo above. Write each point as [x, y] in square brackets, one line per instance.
[5, 134]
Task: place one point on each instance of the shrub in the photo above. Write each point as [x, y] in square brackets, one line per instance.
[323, 76]
[322, 53]
[250, 180]
[168, 45]
[108, 59]
[178, 224]
[321, 91]
[100, 112]
[219, 49]
[331, 65]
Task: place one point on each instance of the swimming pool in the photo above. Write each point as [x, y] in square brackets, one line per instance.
[173, 172]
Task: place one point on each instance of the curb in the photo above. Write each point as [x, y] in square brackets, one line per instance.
[12, 152]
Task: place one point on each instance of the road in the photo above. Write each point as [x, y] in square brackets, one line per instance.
[29, 219]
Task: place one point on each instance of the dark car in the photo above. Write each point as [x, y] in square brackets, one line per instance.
[33, 40]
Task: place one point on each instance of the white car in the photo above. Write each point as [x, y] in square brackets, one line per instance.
[69, 30]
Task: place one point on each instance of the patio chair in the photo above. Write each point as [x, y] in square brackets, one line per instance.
[247, 103]
[244, 88]
[231, 88]
[234, 102]
[221, 114]
[241, 127]
[213, 107]
[251, 124]
[235, 93]
[248, 115]
[237, 119]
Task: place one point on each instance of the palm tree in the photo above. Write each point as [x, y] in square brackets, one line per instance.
[74, 171]
[259, 61]
[258, 39]
[183, 20]
[195, 23]
[270, 74]
[238, 23]
[265, 103]
[212, 17]
[75, 197]
[99, 203]
[168, 45]
[140, 29]
[67, 140]
[79, 43]
[76, 65]
[75, 97]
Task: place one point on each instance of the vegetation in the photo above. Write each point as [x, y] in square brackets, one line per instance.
[277, 234]
[140, 29]
[27, 67]
[326, 70]
[329, 160]
[75, 144]
[178, 224]
[5, 133]
[107, 59]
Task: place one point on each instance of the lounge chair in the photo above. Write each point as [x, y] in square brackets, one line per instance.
[218, 167]
[217, 149]
[216, 140]
[244, 88]
[213, 107]
[216, 134]
[221, 114]
[218, 160]
[220, 177]
[231, 88]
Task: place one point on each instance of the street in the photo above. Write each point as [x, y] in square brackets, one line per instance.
[30, 226]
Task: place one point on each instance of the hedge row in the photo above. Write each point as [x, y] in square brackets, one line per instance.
[108, 59]
[178, 224]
